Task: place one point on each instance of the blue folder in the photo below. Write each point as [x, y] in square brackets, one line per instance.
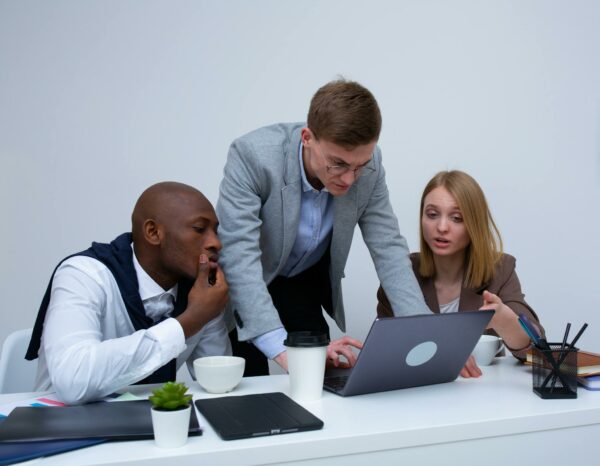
[11, 453]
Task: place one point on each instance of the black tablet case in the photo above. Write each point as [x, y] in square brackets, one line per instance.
[118, 420]
[246, 416]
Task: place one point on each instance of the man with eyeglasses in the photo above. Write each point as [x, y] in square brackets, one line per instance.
[290, 198]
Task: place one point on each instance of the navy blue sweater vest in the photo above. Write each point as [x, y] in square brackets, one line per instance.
[118, 258]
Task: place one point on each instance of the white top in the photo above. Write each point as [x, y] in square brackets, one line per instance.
[89, 346]
[452, 306]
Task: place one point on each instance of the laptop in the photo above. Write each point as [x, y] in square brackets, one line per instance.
[257, 415]
[403, 352]
[118, 420]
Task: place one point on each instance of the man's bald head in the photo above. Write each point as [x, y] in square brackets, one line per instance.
[161, 202]
[172, 224]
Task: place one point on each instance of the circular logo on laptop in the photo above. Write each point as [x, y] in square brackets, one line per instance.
[421, 353]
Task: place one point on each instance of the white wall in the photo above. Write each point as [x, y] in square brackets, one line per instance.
[98, 100]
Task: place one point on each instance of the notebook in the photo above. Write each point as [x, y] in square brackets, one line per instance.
[588, 363]
[402, 352]
[119, 420]
[590, 383]
[246, 416]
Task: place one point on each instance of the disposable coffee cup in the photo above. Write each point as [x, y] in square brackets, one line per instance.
[306, 355]
[486, 349]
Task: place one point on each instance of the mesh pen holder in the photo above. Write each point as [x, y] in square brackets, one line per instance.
[555, 372]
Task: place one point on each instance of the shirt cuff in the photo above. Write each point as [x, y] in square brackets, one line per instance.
[169, 334]
[271, 343]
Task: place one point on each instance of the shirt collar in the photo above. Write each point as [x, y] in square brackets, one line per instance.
[306, 186]
[148, 288]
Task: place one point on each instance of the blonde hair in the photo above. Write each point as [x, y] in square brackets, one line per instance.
[485, 246]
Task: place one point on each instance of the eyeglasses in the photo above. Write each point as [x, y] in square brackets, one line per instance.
[339, 170]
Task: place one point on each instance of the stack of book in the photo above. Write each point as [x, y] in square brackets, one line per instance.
[588, 369]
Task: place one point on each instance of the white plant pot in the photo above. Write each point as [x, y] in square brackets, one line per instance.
[171, 427]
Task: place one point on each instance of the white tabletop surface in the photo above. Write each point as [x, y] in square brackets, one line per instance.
[470, 417]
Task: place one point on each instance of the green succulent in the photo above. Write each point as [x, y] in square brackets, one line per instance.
[170, 396]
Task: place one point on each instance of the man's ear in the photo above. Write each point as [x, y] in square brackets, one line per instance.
[306, 135]
[153, 233]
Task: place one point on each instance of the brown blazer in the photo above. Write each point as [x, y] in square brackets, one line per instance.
[504, 283]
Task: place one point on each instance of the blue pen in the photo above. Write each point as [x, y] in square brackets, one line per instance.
[532, 329]
[538, 340]
[529, 333]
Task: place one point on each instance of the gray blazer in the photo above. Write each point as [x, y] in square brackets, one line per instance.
[259, 211]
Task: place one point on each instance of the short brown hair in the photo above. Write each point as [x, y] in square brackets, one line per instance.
[345, 113]
[485, 247]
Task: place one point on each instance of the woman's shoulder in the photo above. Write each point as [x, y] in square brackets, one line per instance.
[415, 259]
[384, 308]
[505, 267]
[506, 263]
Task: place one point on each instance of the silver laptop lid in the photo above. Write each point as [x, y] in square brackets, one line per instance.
[402, 352]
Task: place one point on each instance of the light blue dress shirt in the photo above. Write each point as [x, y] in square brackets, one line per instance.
[314, 228]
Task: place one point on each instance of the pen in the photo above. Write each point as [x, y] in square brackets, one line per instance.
[564, 355]
[543, 345]
[562, 349]
[539, 341]
[564, 342]
[572, 344]
[527, 331]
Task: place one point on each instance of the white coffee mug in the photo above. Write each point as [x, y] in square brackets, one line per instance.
[486, 349]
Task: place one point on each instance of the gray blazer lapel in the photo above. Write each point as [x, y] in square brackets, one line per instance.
[344, 221]
[290, 197]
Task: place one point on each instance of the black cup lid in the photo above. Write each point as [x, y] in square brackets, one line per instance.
[306, 339]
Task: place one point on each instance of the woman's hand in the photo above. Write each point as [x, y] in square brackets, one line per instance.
[470, 369]
[503, 313]
[505, 322]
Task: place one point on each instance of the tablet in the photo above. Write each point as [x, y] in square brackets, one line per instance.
[247, 416]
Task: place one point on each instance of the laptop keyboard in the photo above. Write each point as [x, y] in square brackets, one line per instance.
[336, 382]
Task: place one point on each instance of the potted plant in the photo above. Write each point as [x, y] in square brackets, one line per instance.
[171, 408]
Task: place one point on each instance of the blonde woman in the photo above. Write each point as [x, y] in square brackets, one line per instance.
[461, 265]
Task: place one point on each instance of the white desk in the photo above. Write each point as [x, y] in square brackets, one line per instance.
[496, 417]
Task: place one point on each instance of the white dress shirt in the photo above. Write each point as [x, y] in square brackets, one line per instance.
[89, 346]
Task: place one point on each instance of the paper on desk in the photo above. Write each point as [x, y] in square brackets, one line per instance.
[127, 396]
[52, 400]
[46, 400]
